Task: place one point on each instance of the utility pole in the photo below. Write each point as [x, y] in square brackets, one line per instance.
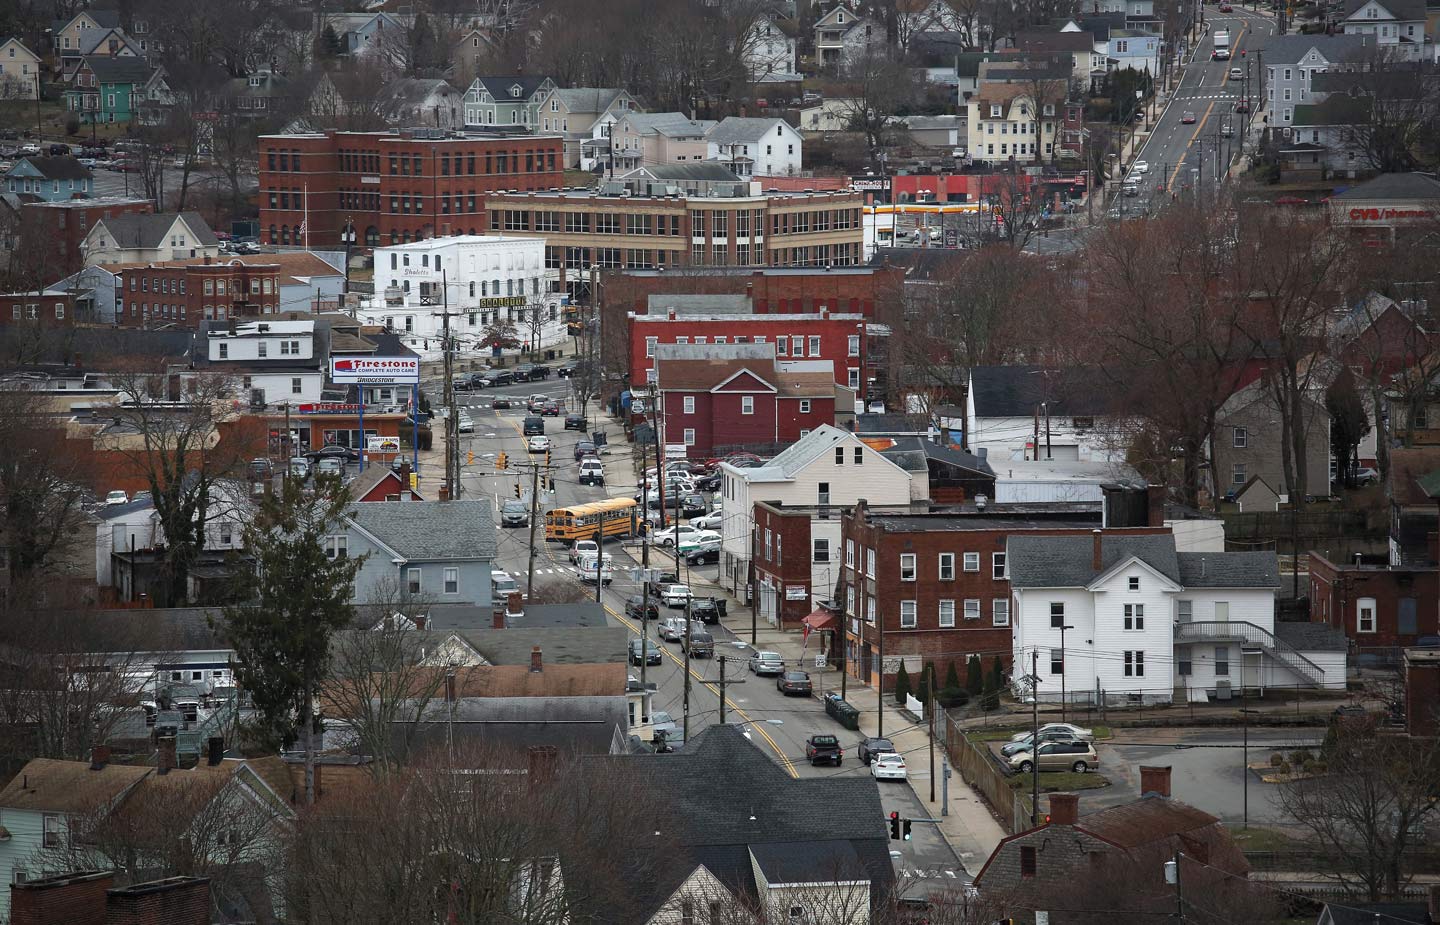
[930, 715]
[534, 519]
[1034, 734]
[880, 685]
[452, 419]
[644, 562]
[599, 560]
[723, 659]
[688, 637]
[750, 586]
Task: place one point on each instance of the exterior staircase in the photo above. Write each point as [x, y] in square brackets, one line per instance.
[1252, 637]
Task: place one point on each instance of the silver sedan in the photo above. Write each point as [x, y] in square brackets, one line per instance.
[767, 663]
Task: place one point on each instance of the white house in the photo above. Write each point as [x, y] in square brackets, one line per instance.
[842, 37]
[135, 527]
[769, 51]
[825, 472]
[19, 71]
[1036, 412]
[1399, 24]
[488, 279]
[149, 238]
[272, 362]
[755, 147]
[1125, 618]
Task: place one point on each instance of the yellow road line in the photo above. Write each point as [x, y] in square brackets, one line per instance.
[1180, 162]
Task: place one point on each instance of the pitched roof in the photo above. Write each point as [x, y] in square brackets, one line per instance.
[702, 170]
[1312, 637]
[809, 862]
[588, 99]
[1358, 913]
[1145, 821]
[105, 19]
[429, 530]
[700, 367]
[1066, 561]
[1408, 465]
[499, 86]
[1290, 49]
[740, 130]
[133, 230]
[795, 457]
[1229, 569]
[566, 680]
[668, 123]
[1338, 109]
[365, 482]
[926, 450]
[1016, 391]
[51, 785]
[560, 645]
[1056, 41]
[1394, 186]
[63, 167]
[1400, 9]
[115, 70]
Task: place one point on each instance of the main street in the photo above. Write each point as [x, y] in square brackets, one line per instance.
[753, 701]
[1188, 156]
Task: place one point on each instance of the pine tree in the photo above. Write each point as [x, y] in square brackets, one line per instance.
[902, 685]
[997, 674]
[922, 690]
[953, 695]
[974, 676]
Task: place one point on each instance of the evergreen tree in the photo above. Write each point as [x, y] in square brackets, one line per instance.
[329, 42]
[922, 690]
[974, 676]
[997, 674]
[902, 685]
[953, 695]
[295, 598]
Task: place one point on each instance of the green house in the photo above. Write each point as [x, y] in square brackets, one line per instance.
[107, 89]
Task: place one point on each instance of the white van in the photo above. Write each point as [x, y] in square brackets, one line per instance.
[502, 586]
[588, 568]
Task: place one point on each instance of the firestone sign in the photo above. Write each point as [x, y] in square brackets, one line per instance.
[379, 370]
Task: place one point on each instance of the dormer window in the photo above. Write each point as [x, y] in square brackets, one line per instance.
[995, 110]
[515, 91]
[840, 18]
[254, 81]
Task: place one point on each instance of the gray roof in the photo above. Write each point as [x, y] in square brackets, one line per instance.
[413, 90]
[1312, 637]
[890, 423]
[1290, 49]
[429, 530]
[926, 450]
[736, 304]
[1066, 561]
[561, 645]
[741, 130]
[161, 629]
[800, 862]
[1400, 9]
[924, 123]
[583, 613]
[88, 349]
[109, 69]
[798, 455]
[1016, 391]
[588, 99]
[1395, 186]
[1229, 569]
[64, 167]
[574, 725]
[136, 230]
[105, 19]
[669, 123]
[499, 86]
[700, 170]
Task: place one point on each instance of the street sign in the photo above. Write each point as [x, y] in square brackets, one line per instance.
[820, 661]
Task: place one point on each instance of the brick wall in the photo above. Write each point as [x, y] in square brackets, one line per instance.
[174, 901]
[64, 899]
[787, 564]
[1405, 600]
[1422, 694]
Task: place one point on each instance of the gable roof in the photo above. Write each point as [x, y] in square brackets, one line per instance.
[795, 457]
[105, 19]
[830, 859]
[55, 786]
[1065, 561]
[1291, 49]
[411, 90]
[1150, 819]
[741, 130]
[1016, 391]
[64, 167]
[116, 70]
[366, 481]
[1338, 109]
[701, 367]
[135, 231]
[1394, 186]
[429, 530]
[588, 99]
[1400, 9]
[668, 123]
[499, 86]
[1229, 569]
[91, 39]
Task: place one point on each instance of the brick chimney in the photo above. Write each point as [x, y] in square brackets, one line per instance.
[165, 755]
[214, 750]
[420, 620]
[513, 606]
[542, 765]
[1096, 558]
[172, 901]
[99, 756]
[1155, 780]
[1155, 505]
[498, 619]
[64, 899]
[1064, 808]
[535, 663]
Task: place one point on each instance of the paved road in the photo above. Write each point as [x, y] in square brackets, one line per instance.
[1184, 156]
[756, 700]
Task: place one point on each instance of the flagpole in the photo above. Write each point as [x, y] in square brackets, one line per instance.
[306, 224]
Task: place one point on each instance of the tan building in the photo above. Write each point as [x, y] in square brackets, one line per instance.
[1005, 124]
[643, 139]
[19, 71]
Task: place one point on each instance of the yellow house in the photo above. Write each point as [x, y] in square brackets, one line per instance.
[1005, 124]
[19, 72]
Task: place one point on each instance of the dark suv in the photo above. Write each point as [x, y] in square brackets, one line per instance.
[534, 425]
[499, 377]
[636, 608]
[575, 421]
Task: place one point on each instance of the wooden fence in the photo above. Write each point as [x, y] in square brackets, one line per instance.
[980, 771]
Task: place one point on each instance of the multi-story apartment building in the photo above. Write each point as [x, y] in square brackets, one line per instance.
[375, 188]
[63, 225]
[1007, 124]
[187, 292]
[794, 290]
[585, 229]
[1292, 61]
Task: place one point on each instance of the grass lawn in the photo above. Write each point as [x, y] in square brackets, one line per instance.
[1003, 735]
[1061, 781]
[1261, 839]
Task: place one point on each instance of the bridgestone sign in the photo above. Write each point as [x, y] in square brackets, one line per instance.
[385, 370]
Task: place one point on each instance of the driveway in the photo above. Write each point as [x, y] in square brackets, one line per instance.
[1207, 768]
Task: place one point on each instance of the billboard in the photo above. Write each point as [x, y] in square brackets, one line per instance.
[376, 444]
[386, 370]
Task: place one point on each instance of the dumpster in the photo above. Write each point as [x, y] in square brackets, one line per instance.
[843, 713]
[720, 605]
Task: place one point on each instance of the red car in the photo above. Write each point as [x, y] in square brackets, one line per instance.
[1226, 8]
[1187, 118]
[1242, 106]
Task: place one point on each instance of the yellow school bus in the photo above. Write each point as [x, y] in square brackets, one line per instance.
[613, 517]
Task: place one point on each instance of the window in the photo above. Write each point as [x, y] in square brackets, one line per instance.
[850, 600]
[850, 553]
[689, 436]
[1184, 611]
[452, 581]
[689, 404]
[907, 614]
[650, 343]
[1057, 614]
[1057, 661]
[1182, 661]
[804, 406]
[1134, 664]
[224, 351]
[51, 823]
[1027, 862]
[412, 580]
[747, 404]
[820, 550]
[1134, 616]
[853, 377]
[972, 562]
[296, 387]
[853, 345]
[947, 566]
[1237, 474]
[1134, 583]
[947, 613]
[264, 349]
[1241, 438]
[972, 608]
[822, 493]
[870, 563]
[1222, 661]
[997, 566]
[1365, 615]
[839, 456]
[907, 566]
[869, 610]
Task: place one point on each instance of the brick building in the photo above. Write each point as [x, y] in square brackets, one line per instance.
[51, 308]
[934, 587]
[89, 898]
[716, 398]
[848, 289]
[835, 338]
[784, 582]
[62, 226]
[1375, 606]
[187, 293]
[393, 187]
[1422, 691]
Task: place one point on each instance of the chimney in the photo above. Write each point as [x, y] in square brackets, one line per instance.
[444, 493]
[1095, 557]
[498, 621]
[214, 750]
[76, 898]
[1155, 505]
[165, 755]
[174, 900]
[542, 765]
[535, 663]
[513, 607]
[1064, 808]
[99, 756]
[419, 620]
[207, 260]
[1155, 780]
[405, 480]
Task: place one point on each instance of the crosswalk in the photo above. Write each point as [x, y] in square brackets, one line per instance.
[1211, 96]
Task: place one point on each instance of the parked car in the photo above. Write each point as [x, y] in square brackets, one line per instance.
[478, 381]
[672, 628]
[692, 504]
[873, 746]
[698, 644]
[1074, 731]
[261, 469]
[670, 536]
[565, 370]
[533, 425]
[330, 466]
[794, 682]
[342, 453]
[711, 521]
[584, 448]
[1366, 475]
[698, 540]
[592, 472]
[522, 372]
[462, 385]
[503, 584]
[703, 554]
[705, 610]
[1073, 755]
[652, 652]
[117, 497]
[888, 767]
[824, 748]
[540, 444]
[1010, 749]
[514, 513]
[584, 549]
[300, 467]
[498, 377]
[674, 595]
[663, 725]
[575, 421]
[636, 608]
[767, 663]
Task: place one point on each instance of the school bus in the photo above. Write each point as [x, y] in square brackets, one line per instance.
[614, 517]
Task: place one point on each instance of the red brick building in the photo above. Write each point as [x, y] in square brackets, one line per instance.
[51, 308]
[393, 187]
[1422, 692]
[845, 289]
[716, 399]
[934, 587]
[188, 292]
[835, 338]
[1375, 606]
[64, 225]
[787, 575]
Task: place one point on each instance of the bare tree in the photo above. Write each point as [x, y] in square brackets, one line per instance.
[875, 88]
[1393, 104]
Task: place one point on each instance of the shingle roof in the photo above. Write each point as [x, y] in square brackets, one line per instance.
[1395, 186]
[1145, 821]
[59, 168]
[1229, 569]
[696, 367]
[561, 645]
[800, 862]
[413, 90]
[1290, 49]
[429, 530]
[1016, 391]
[1400, 9]
[1056, 41]
[669, 123]
[741, 130]
[499, 87]
[112, 70]
[703, 170]
[51, 785]
[799, 454]
[796, 380]
[147, 230]
[1066, 561]
[588, 99]
[1407, 467]
[1312, 637]
[1335, 110]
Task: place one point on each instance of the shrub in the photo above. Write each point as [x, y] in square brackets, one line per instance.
[72, 125]
[922, 690]
[1299, 757]
[974, 676]
[1311, 766]
[1283, 767]
[902, 685]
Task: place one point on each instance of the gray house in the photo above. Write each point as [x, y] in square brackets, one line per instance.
[1293, 61]
[1247, 443]
[436, 550]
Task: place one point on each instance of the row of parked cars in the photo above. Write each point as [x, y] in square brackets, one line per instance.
[1062, 747]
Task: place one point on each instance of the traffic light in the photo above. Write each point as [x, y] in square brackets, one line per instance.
[547, 458]
[905, 830]
[894, 826]
[517, 489]
[552, 483]
[502, 461]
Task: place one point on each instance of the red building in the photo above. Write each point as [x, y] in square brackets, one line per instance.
[785, 528]
[188, 292]
[851, 290]
[835, 338]
[393, 187]
[1375, 606]
[51, 308]
[64, 225]
[715, 399]
[934, 587]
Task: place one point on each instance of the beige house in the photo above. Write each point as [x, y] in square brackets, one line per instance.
[585, 116]
[19, 72]
[136, 238]
[842, 36]
[649, 139]
[1005, 124]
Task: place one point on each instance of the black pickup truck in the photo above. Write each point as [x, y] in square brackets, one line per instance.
[822, 748]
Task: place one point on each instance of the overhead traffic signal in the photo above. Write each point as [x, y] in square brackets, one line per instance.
[905, 829]
[894, 826]
[502, 461]
[517, 489]
[470, 458]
